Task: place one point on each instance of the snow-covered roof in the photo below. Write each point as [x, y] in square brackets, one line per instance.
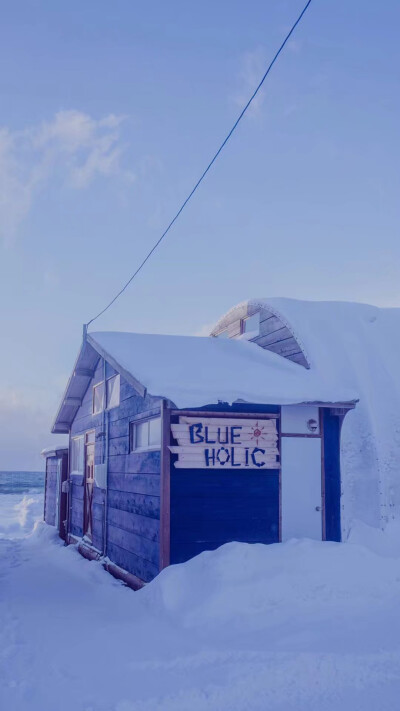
[193, 371]
[196, 371]
[49, 451]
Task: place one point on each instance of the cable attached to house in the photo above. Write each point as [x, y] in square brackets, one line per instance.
[200, 180]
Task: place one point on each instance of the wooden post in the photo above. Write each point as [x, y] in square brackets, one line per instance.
[45, 490]
[279, 426]
[323, 508]
[165, 503]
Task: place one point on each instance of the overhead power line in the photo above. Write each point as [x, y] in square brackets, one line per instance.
[212, 161]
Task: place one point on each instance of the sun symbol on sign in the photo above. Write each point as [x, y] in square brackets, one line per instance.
[257, 432]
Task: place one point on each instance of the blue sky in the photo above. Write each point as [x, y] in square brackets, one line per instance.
[109, 113]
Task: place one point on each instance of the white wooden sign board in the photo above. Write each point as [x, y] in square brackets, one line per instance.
[225, 443]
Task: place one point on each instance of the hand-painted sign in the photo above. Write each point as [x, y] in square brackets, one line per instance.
[205, 443]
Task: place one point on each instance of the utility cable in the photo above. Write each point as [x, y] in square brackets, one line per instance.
[200, 180]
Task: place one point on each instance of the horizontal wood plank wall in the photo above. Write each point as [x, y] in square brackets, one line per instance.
[274, 335]
[133, 483]
[51, 493]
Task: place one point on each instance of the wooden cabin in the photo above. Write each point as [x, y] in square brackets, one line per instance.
[180, 444]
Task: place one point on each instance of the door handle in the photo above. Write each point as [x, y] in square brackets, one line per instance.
[318, 508]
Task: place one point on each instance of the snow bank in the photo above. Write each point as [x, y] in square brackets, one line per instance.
[300, 626]
[383, 542]
[251, 589]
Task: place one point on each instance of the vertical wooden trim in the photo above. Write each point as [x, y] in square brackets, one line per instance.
[341, 490]
[323, 508]
[69, 493]
[45, 490]
[63, 497]
[279, 422]
[165, 491]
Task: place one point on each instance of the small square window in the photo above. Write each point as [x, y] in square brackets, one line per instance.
[146, 434]
[251, 325]
[113, 386]
[98, 398]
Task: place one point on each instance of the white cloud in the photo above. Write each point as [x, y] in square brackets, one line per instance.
[73, 148]
[15, 187]
[253, 66]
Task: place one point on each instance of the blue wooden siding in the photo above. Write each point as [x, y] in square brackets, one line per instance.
[51, 490]
[331, 424]
[209, 508]
[133, 496]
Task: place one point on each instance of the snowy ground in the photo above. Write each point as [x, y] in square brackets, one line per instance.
[293, 627]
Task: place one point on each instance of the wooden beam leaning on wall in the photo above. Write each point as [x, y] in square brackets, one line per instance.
[165, 489]
[132, 581]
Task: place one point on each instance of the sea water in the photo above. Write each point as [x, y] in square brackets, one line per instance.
[21, 482]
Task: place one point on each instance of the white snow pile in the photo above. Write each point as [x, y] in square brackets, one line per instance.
[300, 626]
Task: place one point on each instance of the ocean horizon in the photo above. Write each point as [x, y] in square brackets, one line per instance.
[17, 482]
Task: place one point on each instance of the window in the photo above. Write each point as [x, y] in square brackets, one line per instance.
[77, 455]
[90, 437]
[112, 394]
[113, 391]
[146, 434]
[251, 325]
[98, 398]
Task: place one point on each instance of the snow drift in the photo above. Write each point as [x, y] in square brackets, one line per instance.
[300, 626]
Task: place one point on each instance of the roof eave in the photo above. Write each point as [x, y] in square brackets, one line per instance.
[62, 423]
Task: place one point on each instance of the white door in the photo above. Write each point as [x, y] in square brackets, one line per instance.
[301, 488]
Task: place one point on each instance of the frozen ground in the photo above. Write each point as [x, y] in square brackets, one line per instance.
[302, 626]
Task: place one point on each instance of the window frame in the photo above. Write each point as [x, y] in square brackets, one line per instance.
[250, 334]
[95, 387]
[117, 377]
[132, 434]
[81, 457]
[103, 384]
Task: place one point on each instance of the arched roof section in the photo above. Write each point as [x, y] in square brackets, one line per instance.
[275, 333]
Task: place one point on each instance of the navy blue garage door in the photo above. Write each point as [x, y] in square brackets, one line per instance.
[212, 507]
